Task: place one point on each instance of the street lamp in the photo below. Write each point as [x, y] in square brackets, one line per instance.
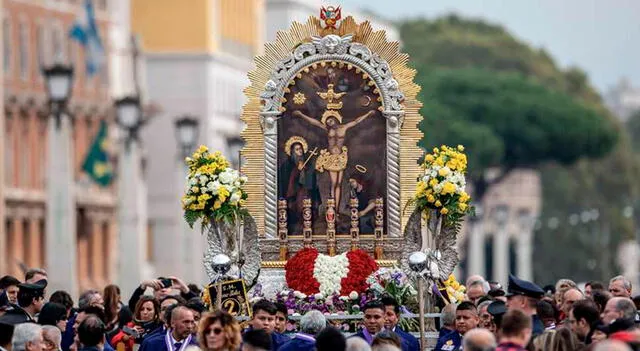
[187, 134]
[235, 144]
[58, 83]
[129, 117]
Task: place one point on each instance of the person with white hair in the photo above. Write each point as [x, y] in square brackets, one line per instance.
[52, 338]
[27, 337]
[477, 289]
[310, 324]
[479, 339]
[357, 344]
[620, 286]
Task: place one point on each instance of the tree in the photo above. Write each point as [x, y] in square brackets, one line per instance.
[522, 123]
[443, 47]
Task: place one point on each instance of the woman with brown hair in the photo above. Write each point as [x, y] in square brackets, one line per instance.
[112, 305]
[145, 319]
[219, 331]
[561, 339]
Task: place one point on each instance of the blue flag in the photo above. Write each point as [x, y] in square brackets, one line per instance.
[85, 31]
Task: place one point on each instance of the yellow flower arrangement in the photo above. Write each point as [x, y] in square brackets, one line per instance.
[443, 184]
[455, 290]
[214, 191]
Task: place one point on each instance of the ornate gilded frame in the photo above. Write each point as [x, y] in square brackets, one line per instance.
[351, 43]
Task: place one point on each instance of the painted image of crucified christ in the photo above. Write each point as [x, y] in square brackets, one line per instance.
[334, 158]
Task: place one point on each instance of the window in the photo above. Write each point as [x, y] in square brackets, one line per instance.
[24, 50]
[40, 45]
[6, 50]
[8, 151]
[26, 150]
[59, 54]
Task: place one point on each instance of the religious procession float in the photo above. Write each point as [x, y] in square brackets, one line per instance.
[335, 204]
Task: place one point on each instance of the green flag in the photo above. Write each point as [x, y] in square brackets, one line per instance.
[97, 163]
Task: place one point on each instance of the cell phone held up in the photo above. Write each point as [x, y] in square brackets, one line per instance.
[130, 331]
[166, 283]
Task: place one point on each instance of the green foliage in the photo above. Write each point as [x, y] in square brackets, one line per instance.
[512, 106]
[524, 122]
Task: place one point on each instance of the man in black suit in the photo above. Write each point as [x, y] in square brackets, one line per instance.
[392, 317]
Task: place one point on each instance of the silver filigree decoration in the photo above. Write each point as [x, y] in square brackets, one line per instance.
[328, 48]
[440, 249]
[245, 260]
[332, 44]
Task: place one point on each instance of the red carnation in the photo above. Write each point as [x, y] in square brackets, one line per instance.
[361, 265]
[299, 272]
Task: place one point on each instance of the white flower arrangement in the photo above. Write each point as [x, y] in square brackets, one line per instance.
[329, 272]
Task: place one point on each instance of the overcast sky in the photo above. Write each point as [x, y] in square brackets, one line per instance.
[600, 36]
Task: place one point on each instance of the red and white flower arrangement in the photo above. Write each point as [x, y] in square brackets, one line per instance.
[311, 272]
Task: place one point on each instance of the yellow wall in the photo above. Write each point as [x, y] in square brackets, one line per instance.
[172, 25]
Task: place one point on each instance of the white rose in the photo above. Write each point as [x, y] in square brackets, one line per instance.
[213, 187]
[318, 296]
[353, 295]
[235, 197]
[193, 181]
[226, 177]
[203, 180]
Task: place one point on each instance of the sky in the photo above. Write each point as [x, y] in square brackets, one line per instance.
[600, 36]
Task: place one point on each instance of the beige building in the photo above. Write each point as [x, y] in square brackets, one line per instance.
[35, 33]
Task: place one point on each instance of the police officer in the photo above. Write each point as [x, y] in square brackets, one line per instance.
[524, 295]
[30, 302]
[497, 309]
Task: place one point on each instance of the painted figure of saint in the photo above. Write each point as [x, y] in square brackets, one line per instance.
[297, 181]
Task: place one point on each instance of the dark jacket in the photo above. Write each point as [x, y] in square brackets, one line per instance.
[298, 343]
[157, 343]
[409, 342]
[16, 315]
[448, 341]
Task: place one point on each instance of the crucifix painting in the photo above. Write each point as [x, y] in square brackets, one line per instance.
[334, 108]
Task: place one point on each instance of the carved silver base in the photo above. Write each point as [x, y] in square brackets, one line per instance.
[272, 281]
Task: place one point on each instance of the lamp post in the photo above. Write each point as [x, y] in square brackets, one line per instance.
[61, 206]
[235, 144]
[189, 242]
[132, 209]
[476, 263]
[501, 244]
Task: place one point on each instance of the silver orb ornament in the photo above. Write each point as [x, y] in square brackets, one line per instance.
[418, 261]
[221, 264]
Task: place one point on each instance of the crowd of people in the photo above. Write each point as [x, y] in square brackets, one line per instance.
[165, 314]
[557, 318]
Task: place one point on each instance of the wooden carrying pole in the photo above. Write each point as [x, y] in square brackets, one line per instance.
[421, 312]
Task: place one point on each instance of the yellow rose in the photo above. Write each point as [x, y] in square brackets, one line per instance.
[195, 189]
[430, 198]
[202, 149]
[448, 188]
[462, 206]
[438, 203]
[443, 172]
[429, 158]
[217, 204]
[444, 211]
[460, 148]
[433, 182]
[421, 187]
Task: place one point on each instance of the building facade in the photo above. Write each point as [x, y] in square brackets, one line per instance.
[35, 34]
[197, 58]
